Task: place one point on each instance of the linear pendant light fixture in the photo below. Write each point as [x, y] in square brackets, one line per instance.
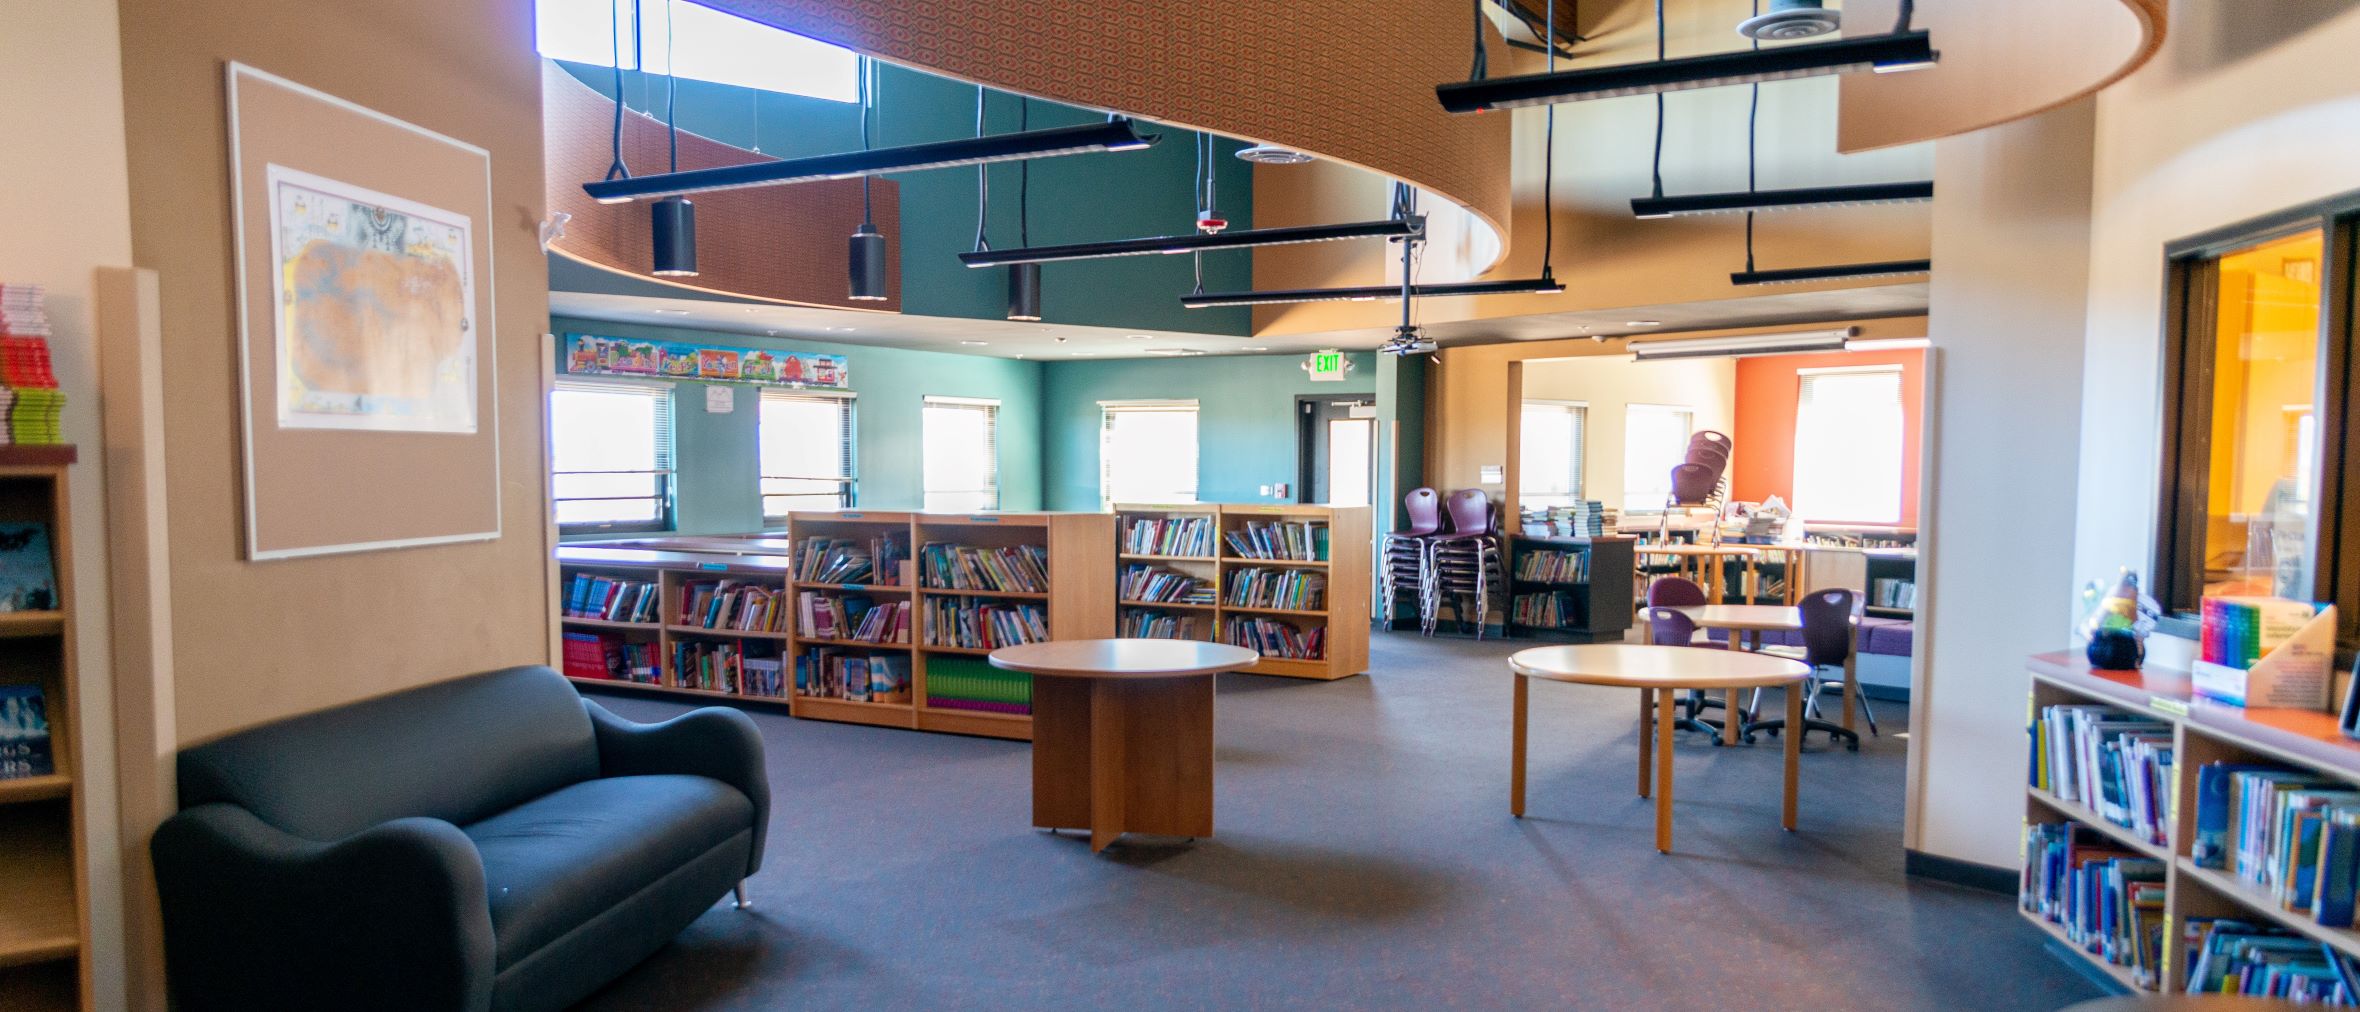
[1372, 293]
[1191, 243]
[1755, 344]
[1112, 135]
[1782, 200]
[1881, 53]
[1833, 272]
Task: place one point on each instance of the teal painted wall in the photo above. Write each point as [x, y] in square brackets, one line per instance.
[1080, 198]
[1245, 420]
[716, 454]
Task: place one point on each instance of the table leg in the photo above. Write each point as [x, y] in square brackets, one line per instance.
[1646, 737]
[1516, 748]
[1851, 684]
[1734, 719]
[1108, 742]
[1663, 779]
[1794, 750]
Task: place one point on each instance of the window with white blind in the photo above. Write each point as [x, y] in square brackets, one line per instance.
[1655, 440]
[806, 449]
[1848, 446]
[1549, 458]
[1147, 452]
[610, 448]
[960, 440]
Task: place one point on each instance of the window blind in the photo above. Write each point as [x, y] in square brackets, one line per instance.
[807, 451]
[961, 445]
[610, 451]
[1147, 452]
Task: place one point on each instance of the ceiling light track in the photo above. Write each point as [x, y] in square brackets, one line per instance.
[1754, 344]
[1833, 272]
[1895, 51]
[1193, 243]
[1113, 135]
[1372, 293]
[1782, 200]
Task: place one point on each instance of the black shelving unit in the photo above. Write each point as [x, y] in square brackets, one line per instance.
[1602, 603]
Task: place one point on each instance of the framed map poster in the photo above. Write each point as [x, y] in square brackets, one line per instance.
[364, 296]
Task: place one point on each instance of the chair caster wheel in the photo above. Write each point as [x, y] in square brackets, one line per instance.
[1855, 746]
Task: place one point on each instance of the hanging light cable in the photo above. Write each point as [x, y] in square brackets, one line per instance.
[1024, 280]
[868, 245]
[615, 169]
[673, 220]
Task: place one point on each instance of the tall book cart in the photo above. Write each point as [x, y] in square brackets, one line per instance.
[2300, 741]
[942, 682]
[1573, 589]
[1254, 601]
[44, 902]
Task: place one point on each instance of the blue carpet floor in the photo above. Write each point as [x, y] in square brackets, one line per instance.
[1364, 858]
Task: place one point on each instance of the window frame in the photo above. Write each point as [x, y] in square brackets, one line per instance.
[1106, 412]
[1628, 408]
[1580, 410]
[1901, 461]
[848, 483]
[926, 489]
[667, 460]
[2191, 304]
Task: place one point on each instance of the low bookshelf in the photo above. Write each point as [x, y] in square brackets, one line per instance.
[1573, 589]
[1291, 581]
[2161, 835]
[44, 902]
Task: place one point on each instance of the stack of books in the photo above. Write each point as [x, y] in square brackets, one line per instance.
[984, 626]
[2108, 901]
[607, 656]
[2113, 762]
[1155, 625]
[834, 560]
[1556, 609]
[1275, 639]
[1168, 536]
[1150, 583]
[1289, 540]
[611, 599]
[1277, 588]
[30, 400]
[2226, 956]
[852, 617]
[2287, 833]
[826, 673]
[1020, 569]
[729, 604]
[1544, 566]
[970, 683]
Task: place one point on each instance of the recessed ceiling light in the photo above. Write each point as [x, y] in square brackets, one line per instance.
[975, 344]
[1140, 337]
[672, 312]
[1174, 352]
[1643, 323]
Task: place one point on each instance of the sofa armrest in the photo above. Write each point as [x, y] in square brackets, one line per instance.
[394, 916]
[715, 741]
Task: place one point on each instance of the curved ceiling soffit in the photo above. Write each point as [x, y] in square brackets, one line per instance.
[781, 244]
[2002, 60]
[1351, 81]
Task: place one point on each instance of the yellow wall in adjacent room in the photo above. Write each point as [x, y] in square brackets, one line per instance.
[260, 641]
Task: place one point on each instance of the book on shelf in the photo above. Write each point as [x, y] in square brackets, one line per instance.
[732, 605]
[24, 733]
[2111, 761]
[1893, 593]
[28, 574]
[1192, 535]
[2229, 956]
[1156, 583]
[983, 625]
[609, 657]
[1141, 623]
[717, 666]
[837, 560]
[1280, 540]
[971, 683]
[1276, 588]
[1544, 565]
[852, 617]
[2289, 834]
[1273, 638]
[765, 676]
[1019, 569]
[2108, 901]
[612, 599]
[836, 673]
[1554, 609]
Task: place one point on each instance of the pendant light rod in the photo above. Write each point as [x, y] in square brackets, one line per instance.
[1113, 135]
[1389, 228]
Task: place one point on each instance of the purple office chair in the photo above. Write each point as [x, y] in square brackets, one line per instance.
[1669, 628]
[1829, 637]
[1407, 561]
[1422, 509]
[1466, 562]
[1675, 592]
[1694, 484]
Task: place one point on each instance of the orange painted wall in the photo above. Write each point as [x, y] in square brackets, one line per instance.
[1767, 389]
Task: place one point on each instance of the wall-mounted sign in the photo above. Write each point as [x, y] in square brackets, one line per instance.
[1327, 366]
[590, 355]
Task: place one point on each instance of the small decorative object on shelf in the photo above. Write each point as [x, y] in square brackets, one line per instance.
[2118, 624]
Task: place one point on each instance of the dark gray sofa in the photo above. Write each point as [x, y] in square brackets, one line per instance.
[493, 842]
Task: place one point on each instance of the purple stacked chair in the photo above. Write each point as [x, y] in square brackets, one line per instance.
[1464, 565]
[1405, 556]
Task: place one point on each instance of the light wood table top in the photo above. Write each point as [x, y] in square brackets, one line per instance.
[1123, 658]
[1653, 667]
[1745, 617]
[1726, 551]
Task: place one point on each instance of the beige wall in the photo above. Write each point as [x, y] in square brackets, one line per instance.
[1609, 385]
[63, 214]
[258, 641]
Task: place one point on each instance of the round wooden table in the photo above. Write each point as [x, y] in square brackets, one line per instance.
[1123, 733]
[1656, 672]
[1740, 619]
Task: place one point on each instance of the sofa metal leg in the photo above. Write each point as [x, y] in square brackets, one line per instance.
[742, 902]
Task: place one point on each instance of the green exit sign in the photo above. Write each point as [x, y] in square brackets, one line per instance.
[1327, 366]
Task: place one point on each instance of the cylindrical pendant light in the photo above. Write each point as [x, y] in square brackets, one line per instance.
[1024, 280]
[1024, 292]
[868, 264]
[675, 232]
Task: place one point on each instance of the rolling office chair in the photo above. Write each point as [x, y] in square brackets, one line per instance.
[1669, 628]
[1830, 638]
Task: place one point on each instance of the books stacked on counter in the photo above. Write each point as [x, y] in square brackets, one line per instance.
[1554, 609]
[2107, 900]
[2113, 762]
[1164, 586]
[1168, 536]
[732, 605]
[1274, 638]
[1285, 540]
[1020, 569]
[1587, 518]
[1548, 566]
[971, 683]
[2290, 834]
[977, 625]
[852, 617]
[1293, 589]
[612, 599]
[2228, 956]
[832, 673]
[609, 657]
[30, 401]
[1155, 625]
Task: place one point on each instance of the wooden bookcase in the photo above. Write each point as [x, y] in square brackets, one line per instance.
[1344, 615]
[1079, 604]
[2202, 732]
[44, 901]
[1602, 599]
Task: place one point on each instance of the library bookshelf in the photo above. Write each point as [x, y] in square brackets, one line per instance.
[2203, 732]
[1343, 562]
[44, 901]
[1077, 603]
[1594, 605]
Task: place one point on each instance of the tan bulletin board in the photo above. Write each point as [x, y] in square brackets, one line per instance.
[366, 349]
